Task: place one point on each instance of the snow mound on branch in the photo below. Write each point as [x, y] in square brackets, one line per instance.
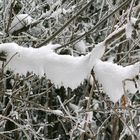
[57, 112]
[70, 71]
[111, 76]
[80, 46]
[63, 70]
[20, 21]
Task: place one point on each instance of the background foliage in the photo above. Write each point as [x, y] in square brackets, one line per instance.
[31, 107]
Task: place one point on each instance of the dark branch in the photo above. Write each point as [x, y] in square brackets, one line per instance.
[65, 25]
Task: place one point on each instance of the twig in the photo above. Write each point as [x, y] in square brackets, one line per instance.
[105, 121]
[134, 45]
[59, 99]
[64, 26]
[21, 127]
[95, 27]
[130, 10]
[2, 132]
[10, 16]
[10, 59]
[87, 109]
[29, 102]
[125, 93]
[114, 110]
[7, 138]
[70, 99]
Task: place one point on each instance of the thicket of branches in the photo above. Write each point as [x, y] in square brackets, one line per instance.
[32, 108]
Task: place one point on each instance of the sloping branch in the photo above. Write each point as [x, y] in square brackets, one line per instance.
[25, 28]
[10, 16]
[96, 26]
[64, 26]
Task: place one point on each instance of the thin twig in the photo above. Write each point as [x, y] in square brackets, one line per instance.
[10, 16]
[21, 127]
[64, 26]
[87, 109]
[95, 27]
[130, 50]
[10, 59]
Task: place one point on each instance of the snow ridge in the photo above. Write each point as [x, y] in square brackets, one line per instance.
[63, 70]
[67, 70]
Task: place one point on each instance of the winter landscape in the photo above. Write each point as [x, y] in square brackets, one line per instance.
[69, 70]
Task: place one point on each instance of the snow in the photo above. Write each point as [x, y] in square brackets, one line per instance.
[71, 9]
[128, 30]
[111, 76]
[97, 53]
[1, 34]
[70, 71]
[56, 13]
[8, 92]
[91, 80]
[65, 70]
[19, 22]
[89, 116]
[74, 107]
[132, 87]
[57, 112]
[129, 27]
[95, 104]
[80, 46]
[14, 113]
[133, 20]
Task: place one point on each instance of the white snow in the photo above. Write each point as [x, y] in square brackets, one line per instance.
[57, 112]
[8, 92]
[63, 70]
[89, 117]
[1, 34]
[74, 107]
[111, 76]
[20, 21]
[128, 30]
[56, 13]
[95, 104]
[67, 70]
[129, 27]
[80, 46]
[91, 80]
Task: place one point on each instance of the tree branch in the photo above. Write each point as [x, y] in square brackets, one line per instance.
[65, 25]
[95, 27]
